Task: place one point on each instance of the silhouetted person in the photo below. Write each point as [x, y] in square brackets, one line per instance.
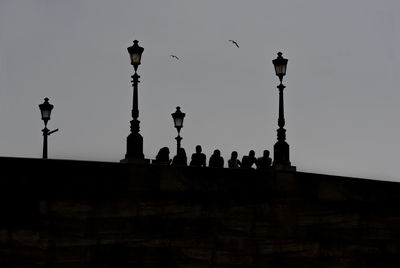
[234, 162]
[265, 161]
[216, 160]
[249, 160]
[198, 158]
[162, 157]
[180, 158]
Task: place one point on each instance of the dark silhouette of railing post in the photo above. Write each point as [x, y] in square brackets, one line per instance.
[135, 140]
[281, 147]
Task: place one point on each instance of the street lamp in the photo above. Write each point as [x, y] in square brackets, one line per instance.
[135, 140]
[281, 147]
[45, 110]
[178, 117]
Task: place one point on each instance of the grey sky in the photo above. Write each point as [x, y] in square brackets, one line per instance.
[341, 101]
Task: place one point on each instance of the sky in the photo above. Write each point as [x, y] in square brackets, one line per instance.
[342, 96]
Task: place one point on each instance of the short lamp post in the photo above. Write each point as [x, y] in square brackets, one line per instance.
[178, 117]
[135, 140]
[281, 147]
[45, 110]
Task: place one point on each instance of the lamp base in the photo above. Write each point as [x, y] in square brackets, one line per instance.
[279, 167]
[134, 146]
[281, 154]
[135, 161]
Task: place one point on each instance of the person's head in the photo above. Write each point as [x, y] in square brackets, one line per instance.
[181, 152]
[217, 152]
[198, 149]
[266, 153]
[164, 151]
[234, 155]
[252, 153]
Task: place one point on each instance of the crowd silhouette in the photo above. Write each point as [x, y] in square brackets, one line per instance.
[180, 158]
[216, 160]
[199, 159]
[234, 162]
[162, 157]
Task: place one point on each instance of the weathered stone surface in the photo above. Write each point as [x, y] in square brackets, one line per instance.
[94, 214]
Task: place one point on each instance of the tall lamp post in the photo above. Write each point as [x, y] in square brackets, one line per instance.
[134, 146]
[178, 117]
[281, 147]
[45, 110]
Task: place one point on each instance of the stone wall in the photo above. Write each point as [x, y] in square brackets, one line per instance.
[58, 213]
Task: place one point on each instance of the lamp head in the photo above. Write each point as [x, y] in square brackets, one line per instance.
[45, 110]
[178, 117]
[280, 64]
[135, 54]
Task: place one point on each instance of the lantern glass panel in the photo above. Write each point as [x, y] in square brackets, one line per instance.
[178, 121]
[45, 114]
[280, 69]
[135, 58]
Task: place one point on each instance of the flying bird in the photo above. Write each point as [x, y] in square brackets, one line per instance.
[234, 42]
[175, 57]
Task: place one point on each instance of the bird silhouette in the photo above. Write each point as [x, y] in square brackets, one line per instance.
[173, 56]
[234, 42]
